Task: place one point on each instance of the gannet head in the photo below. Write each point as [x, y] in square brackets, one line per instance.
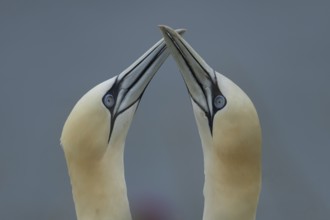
[230, 133]
[220, 106]
[101, 118]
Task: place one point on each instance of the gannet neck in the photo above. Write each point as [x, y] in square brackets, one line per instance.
[99, 187]
[232, 185]
[230, 133]
[94, 134]
[96, 169]
[232, 157]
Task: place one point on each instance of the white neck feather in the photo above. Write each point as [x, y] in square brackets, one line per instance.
[99, 187]
[231, 187]
[232, 168]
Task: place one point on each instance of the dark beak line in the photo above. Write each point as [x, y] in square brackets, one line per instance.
[191, 70]
[124, 77]
[140, 76]
[117, 85]
[130, 85]
[205, 77]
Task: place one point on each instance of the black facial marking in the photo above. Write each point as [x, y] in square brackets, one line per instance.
[114, 92]
[215, 91]
[191, 70]
[117, 86]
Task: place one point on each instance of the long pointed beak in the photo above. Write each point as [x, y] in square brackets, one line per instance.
[199, 77]
[132, 82]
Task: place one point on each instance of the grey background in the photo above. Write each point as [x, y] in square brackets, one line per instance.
[52, 52]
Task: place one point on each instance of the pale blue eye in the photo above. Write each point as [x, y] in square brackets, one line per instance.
[219, 101]
[108, 100]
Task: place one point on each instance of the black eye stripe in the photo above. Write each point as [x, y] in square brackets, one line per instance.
[119, 90]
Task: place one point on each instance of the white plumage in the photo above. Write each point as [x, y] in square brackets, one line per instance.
[94, 134]
[230, 133]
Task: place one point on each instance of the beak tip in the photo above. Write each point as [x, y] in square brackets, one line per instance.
[166, 29]
[163, 27]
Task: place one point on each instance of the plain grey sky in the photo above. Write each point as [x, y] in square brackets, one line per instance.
[52, 52]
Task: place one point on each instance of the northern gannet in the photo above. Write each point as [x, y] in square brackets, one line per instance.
[230, 133]
[94, 134]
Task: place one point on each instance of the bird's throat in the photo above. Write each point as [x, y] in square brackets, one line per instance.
[232, 185]
[99, 187]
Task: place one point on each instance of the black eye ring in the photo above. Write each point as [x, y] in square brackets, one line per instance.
[108, 100]
[219, 102]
